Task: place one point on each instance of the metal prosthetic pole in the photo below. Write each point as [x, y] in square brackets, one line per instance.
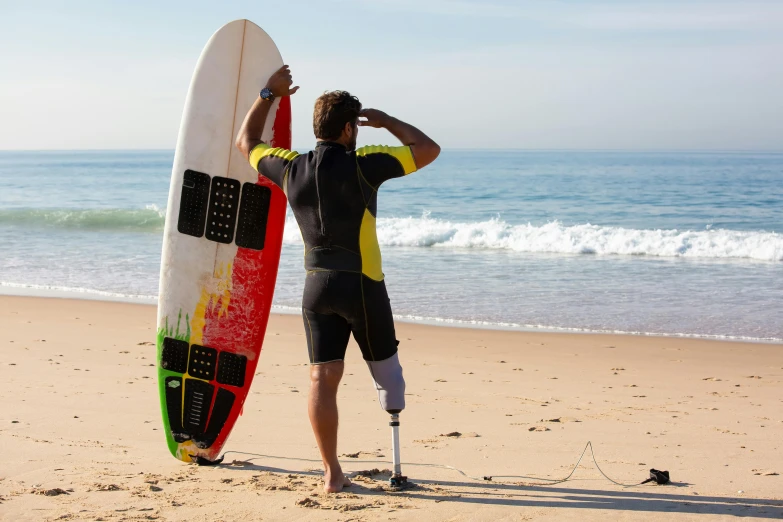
[397, 480]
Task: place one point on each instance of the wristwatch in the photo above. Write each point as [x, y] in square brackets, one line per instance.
[266, 94]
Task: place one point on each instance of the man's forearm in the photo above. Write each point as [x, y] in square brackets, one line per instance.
[250, 133]
[424, 149]
[405, 132]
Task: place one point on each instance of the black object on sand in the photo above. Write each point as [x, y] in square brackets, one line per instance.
[659, 477]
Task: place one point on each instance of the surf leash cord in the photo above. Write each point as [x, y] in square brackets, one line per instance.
[541, 481]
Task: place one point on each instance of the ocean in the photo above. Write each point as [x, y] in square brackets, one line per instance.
[661, 243]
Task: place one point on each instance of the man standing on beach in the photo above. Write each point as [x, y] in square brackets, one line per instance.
[333, 194]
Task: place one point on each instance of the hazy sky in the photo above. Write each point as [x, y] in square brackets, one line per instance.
[613, 74]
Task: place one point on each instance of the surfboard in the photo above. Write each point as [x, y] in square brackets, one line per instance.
[221, 246]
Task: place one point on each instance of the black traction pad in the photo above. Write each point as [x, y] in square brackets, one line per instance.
[174, 356]
[202, 363]
[220, 411]
[174, 408]
[193, 203]
[223, 207]
[253, 215]
[231, 369]
[198, 399]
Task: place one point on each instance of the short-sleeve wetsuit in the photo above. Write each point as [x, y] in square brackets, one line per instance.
[333, 194]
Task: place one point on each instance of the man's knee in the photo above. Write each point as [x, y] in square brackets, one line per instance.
[326, 375]
[387, 375]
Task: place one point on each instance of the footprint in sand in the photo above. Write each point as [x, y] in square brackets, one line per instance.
[359, 454]
[50, 492]
[457, 434]
[560, 420]
[107, 487]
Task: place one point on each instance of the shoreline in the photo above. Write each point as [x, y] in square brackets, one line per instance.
[35, 291]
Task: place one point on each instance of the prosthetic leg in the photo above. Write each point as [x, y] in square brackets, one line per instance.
[389, 382]
[397, 480]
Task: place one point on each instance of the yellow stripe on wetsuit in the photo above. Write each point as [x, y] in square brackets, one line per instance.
[403, 154]
[262, 150]
[369, 248]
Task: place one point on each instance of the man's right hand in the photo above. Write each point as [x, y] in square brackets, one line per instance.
[374, 118]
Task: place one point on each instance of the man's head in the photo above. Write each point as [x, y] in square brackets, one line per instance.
[335, 118]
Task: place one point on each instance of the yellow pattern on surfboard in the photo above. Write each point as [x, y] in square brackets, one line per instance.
[185, 449]
[216, 292]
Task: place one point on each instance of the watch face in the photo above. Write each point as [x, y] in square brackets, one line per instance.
[266, 94]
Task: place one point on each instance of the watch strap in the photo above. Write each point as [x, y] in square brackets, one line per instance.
[267, 94]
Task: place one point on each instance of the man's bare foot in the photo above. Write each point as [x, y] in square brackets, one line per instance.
[334, 482]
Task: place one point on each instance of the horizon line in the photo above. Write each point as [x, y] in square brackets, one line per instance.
[456, 149]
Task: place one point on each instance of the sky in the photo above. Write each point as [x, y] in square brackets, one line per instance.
[539, 74]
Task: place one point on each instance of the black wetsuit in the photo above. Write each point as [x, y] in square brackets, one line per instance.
[333, 193]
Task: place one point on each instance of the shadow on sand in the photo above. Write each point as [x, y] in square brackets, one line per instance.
[649, 498]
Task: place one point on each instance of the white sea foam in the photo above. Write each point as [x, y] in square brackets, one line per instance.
[554, 237]
[155, 208]
[546, 328]
[9, 288]
[288, 310]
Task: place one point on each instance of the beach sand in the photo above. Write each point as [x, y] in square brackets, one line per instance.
[81, 433]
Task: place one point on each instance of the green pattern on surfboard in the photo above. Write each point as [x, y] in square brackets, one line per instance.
[167, 331]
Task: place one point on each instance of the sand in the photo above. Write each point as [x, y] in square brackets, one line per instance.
[81, 438]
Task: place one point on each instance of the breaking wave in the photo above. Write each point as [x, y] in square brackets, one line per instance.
[148, 219]
[493, 234]
[554, 237]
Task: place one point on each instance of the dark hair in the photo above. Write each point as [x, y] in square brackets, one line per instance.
[332, 111]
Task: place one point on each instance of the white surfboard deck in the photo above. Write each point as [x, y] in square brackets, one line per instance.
[204, 299]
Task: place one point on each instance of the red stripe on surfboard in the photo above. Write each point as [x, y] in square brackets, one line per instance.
[281, 136]
[242, 328]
